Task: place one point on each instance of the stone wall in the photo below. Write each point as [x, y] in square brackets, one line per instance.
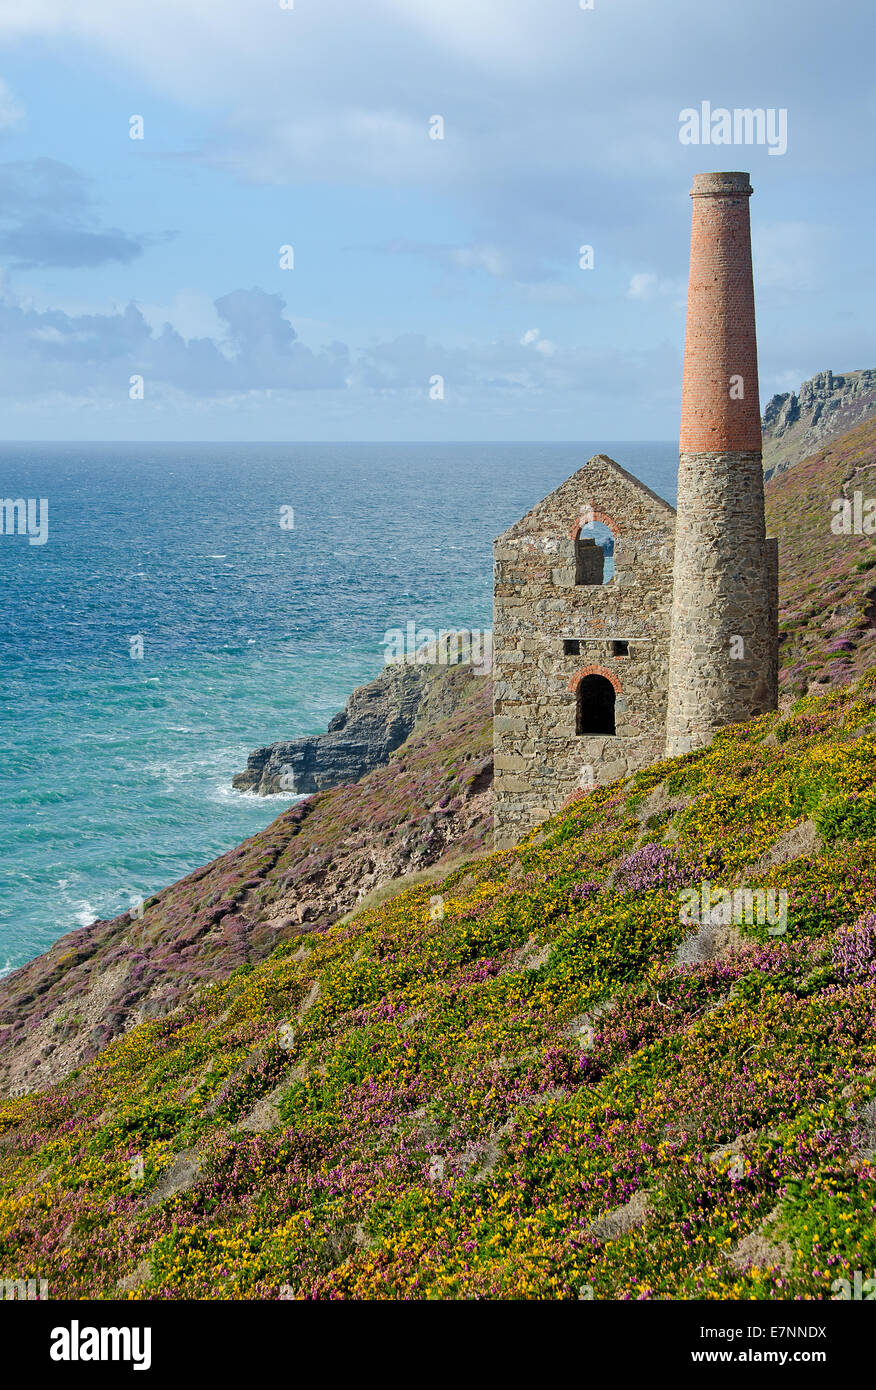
[541, 614]
[772, 568]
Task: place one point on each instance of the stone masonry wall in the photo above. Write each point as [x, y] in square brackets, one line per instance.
[724, 647]
[539, 759]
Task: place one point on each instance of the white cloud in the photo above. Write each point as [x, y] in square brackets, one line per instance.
[646, 286]
[512, 37]
[561, 125]
[192, 314]
[532, 337]
[257, 349]
[524, 85]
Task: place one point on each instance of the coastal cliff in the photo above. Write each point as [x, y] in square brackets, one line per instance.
[427, 806]
[424, 808]
[320, 859]
[827, 580]
[375, 721]
[795, 424]
[527, 1079]
[360, 1056]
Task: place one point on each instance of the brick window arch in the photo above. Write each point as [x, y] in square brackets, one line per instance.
[588, 513]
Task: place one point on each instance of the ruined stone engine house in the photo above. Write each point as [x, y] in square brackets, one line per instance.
[604, 663]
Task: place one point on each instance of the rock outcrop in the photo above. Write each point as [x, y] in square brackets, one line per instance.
[795, 425]
[321, 858]
[376, 720]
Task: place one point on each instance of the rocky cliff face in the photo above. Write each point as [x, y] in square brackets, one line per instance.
[376, 720]
[795, 425]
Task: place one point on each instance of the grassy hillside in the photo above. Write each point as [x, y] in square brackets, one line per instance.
[309, 867]
[827, 582]
[517, 1082]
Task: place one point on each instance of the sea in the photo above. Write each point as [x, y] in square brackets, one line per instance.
[192, 602]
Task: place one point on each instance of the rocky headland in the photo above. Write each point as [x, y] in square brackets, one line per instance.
[795, 424]
[375, 721]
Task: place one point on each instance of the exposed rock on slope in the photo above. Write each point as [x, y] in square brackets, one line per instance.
[795, 425]
[376, 720]
[313, 864]
[827, 581]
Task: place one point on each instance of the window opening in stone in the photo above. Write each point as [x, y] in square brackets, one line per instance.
[594, 554]
[620, 648]
[595, 706]
[571, 647]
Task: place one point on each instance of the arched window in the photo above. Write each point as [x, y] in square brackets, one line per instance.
[594, 554]
[595, 706]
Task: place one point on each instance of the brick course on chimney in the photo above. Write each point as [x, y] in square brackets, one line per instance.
[720, 342]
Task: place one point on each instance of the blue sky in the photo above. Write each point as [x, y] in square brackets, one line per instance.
[413, 257]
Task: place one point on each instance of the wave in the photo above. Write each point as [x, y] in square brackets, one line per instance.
[226, 793]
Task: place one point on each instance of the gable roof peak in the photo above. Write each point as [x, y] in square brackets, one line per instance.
[585, 480]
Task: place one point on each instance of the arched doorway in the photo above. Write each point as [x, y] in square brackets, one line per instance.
[594, 708]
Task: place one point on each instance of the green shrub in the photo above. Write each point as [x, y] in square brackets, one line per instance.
[848, 818]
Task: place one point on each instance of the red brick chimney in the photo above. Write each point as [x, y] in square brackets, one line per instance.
[720, 343]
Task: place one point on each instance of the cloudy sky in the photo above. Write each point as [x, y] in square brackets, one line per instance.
[413, 257]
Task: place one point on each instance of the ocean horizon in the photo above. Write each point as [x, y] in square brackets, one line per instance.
[192, 602]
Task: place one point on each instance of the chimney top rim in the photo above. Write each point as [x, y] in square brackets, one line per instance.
[721, 183]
